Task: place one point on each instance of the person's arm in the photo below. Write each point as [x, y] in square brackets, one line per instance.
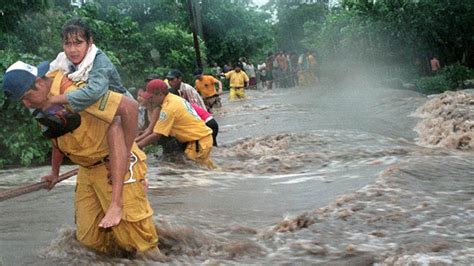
[227, 75]
[56, 161]
[148, 140]
[153, 116]
[97, 86]
[197, 88]
[162, 127]
[192, 96]
[246, 80]
[219, 84]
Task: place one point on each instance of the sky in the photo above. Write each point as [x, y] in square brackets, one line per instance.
[260, 2]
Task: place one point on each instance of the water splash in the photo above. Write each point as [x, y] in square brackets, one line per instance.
[448, 121]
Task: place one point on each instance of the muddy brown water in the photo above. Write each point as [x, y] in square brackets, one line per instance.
[306, 176]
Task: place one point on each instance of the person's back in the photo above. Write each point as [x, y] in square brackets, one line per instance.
[250, 70]
[435, 65]
[206, 86]
[282, 62]
[269, 70]
[179, 119]
[311, 61]
[217, 70]
[209, 120]
[227, 68]
[186, 125]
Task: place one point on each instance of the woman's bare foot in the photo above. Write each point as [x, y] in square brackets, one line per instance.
[112, 217]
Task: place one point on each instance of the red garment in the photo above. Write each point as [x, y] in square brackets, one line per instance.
[203, 114]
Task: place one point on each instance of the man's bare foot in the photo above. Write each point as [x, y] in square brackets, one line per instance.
[112, 217]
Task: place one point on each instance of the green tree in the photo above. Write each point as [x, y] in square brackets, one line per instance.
[291, 18]
[20, 139]
[11, 12]
[139, 36]
[395, 36]
[175, 47]
[233, 29]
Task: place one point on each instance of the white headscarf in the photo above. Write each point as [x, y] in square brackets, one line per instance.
[82, 70]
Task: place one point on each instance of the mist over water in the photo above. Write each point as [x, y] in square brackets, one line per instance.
[311, 175]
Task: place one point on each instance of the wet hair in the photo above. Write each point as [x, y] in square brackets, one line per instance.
[76, 27]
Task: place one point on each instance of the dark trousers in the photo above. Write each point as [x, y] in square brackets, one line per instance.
[212, 124]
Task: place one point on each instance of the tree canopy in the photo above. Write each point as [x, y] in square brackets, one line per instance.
[392, 37]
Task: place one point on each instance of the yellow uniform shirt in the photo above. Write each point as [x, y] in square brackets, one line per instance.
[87, 144]
[206, 86]
[237, 79]
[178, 119]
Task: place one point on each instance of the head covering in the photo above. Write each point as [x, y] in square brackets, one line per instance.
[197, 72]
[152, 77]
[152, 86]
[20, 76]
[174, 73]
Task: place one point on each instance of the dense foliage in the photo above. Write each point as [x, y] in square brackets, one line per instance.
[20, 139]
[450, 77]
[385, 38]
[232, 31]
[139, 36]
[397, 36]
[291, 17]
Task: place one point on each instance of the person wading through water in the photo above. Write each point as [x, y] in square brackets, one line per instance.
[84, 141]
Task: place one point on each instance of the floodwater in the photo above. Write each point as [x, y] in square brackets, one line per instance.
[306, 176]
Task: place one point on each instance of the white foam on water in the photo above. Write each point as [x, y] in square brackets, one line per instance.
[447, 121]
[297, 181]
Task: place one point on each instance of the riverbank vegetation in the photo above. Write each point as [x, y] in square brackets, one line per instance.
[388, 39]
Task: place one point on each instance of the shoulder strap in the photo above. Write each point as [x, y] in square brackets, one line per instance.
[65, 83]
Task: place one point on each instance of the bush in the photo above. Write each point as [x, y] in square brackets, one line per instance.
[451, 77]
[455, 75]
[434, 84]
[20, 139]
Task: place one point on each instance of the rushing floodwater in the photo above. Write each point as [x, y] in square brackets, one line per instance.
[353, 177]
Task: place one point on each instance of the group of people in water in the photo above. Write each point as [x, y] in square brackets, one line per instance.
[280, 69]
[90, 118]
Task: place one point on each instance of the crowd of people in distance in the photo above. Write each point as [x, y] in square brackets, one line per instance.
[287, 70]
[281, 69]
